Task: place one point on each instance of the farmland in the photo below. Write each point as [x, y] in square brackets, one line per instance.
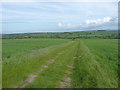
[103, 34]
[60, 63]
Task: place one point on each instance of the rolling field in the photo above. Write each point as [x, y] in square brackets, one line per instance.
[60, 63]
[109, 34]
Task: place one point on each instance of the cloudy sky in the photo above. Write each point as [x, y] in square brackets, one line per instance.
[57, 16]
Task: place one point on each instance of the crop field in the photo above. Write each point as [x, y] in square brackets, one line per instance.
[60, 63]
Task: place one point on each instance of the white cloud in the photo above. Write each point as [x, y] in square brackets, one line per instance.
[99, 21]
[104, 23]
[67, 25]
[60, 25]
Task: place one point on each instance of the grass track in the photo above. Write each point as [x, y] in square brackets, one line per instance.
[27, 63]
[54, 74]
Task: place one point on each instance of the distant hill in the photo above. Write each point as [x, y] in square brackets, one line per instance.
[66, 35]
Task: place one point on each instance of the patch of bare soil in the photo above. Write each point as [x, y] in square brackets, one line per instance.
[68, 72]
[27, 81]
[74, 57]
[51, 61]
[70, 66]
[67, 81]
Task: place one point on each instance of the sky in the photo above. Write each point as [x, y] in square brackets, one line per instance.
[57, 16]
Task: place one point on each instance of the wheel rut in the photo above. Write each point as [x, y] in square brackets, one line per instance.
[31, 78]
[67, 80]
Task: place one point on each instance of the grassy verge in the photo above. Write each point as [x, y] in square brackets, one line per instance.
[0, 73]
[93, 70]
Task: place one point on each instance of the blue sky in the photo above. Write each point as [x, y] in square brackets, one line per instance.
[22, 17]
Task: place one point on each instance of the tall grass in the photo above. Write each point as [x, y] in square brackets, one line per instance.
[95, 66]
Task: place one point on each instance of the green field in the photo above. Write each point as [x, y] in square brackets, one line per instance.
[1, 64]
[60, 63]
[13, 47]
